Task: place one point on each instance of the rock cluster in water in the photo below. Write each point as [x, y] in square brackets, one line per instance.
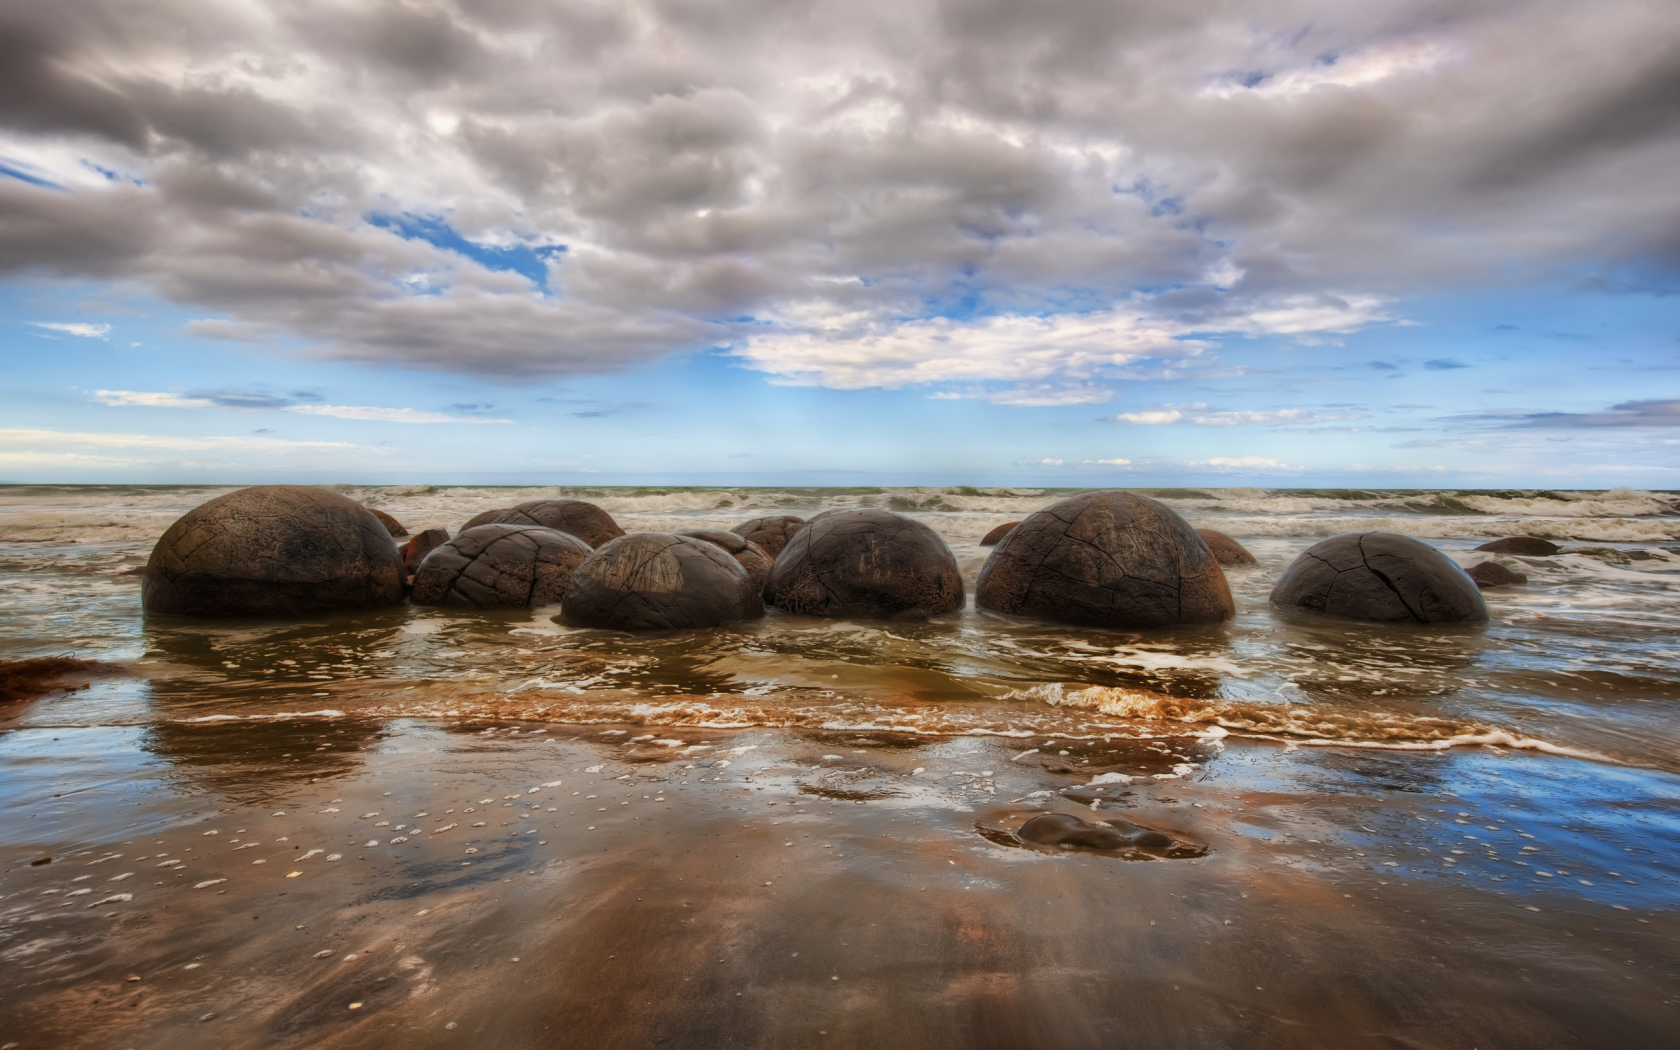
[751, 556]
[500, 567]
[1380, 576]
[1106, 559]
[586, 521]
[273, 550]
[868, 563]
[659, 581]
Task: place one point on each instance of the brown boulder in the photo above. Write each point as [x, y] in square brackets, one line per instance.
[1489, 574]
[586, 521]
[991, 538]
[654, 581]
[770, 533]
[866, 563]
[484, 518]
[392, 525]
[500, 567]
[1379, 576]
[1106, 559]
[273, 550]
[415, 550]
[1528, 546]
[1226, 550]
[751, 556]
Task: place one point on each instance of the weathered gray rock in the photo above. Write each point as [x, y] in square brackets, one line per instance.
[1490, 574]
[770, 533]
[991, 539]
[586, 521]
[751, 556]
[273, 550]
[1106, 559]
[500, 567]
[484, 518]
[1379, 576]
[1225, 550]
[1529, 546]
[866, 563]
[651, 581]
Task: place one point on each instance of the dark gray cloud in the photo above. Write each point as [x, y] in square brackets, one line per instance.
[1655, 413]
[826, 171]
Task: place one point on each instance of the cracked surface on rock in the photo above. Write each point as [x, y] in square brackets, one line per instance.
[484, 518]
[1106, 559]
[273, 550]
[1226, 550]
[752, 557]
[866, 563]
[1380, 576]
[770, 533]
[586, 521]
[500, 567]
[650, 581]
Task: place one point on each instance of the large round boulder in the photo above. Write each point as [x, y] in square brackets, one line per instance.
[1530, 546]
[1379, 576]
[866, 563]
[993, 538]
[1106, 559]
[1224, 549]
[650, 581]
[586, 521]
[273, 550]
[770, 533]
[751, 556]
[500, 567]
[484, 517]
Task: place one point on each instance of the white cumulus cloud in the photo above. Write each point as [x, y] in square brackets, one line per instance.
[80, 328]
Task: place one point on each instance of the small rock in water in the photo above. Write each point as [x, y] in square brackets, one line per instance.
[38, 861]
[1492, 574]
[1528, 546]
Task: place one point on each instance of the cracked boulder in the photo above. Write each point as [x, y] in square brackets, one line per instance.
[770, 533]
[650, 581]
[500, 567]
[1225, 550]
[866, 563]
[1380, 576]
[484, 518]
[751, 556]
[273, 550]
[1106, 559]
[586, 521]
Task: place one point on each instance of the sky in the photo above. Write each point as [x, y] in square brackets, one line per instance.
[1091, 243]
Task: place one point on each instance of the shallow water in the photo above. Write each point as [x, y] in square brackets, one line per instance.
[1353, 781]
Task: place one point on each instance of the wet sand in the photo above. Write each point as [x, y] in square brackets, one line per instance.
[821, 889]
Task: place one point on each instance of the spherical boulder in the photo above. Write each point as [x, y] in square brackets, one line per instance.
[392, 525]
[484, 518]
[1489, 574]
[649, 581]
[586, 521]
[1225, 550]
[993, 538]
[273, 550]
[418, 546]
[751, 556]
[1531, 546]
[1106, 559]
[866, 563]
[500, 567]
[770, 533]
[1379, 576]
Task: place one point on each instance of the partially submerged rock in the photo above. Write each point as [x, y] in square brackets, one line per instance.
[1225, 550]
[991, 538]
[1380, 576]
[1106, 559]
[586, 521]
[500, 567]
[1490, 574]
[415, 550]
[751, 556]
[1527, 546]
[1113, 836]
[273, 550]
[866, 563]
[658, 581]
[772, 533]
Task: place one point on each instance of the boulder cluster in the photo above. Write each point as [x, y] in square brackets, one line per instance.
[1105, 559]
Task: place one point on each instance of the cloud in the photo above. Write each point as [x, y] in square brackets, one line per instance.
[1232, 463]
[884, 193]
[125, 398]
[49, 439]
[83, 329]
[1198, 415]
[1050, 462]
[1442, 364]
[1108, 462]
[1656, 413]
